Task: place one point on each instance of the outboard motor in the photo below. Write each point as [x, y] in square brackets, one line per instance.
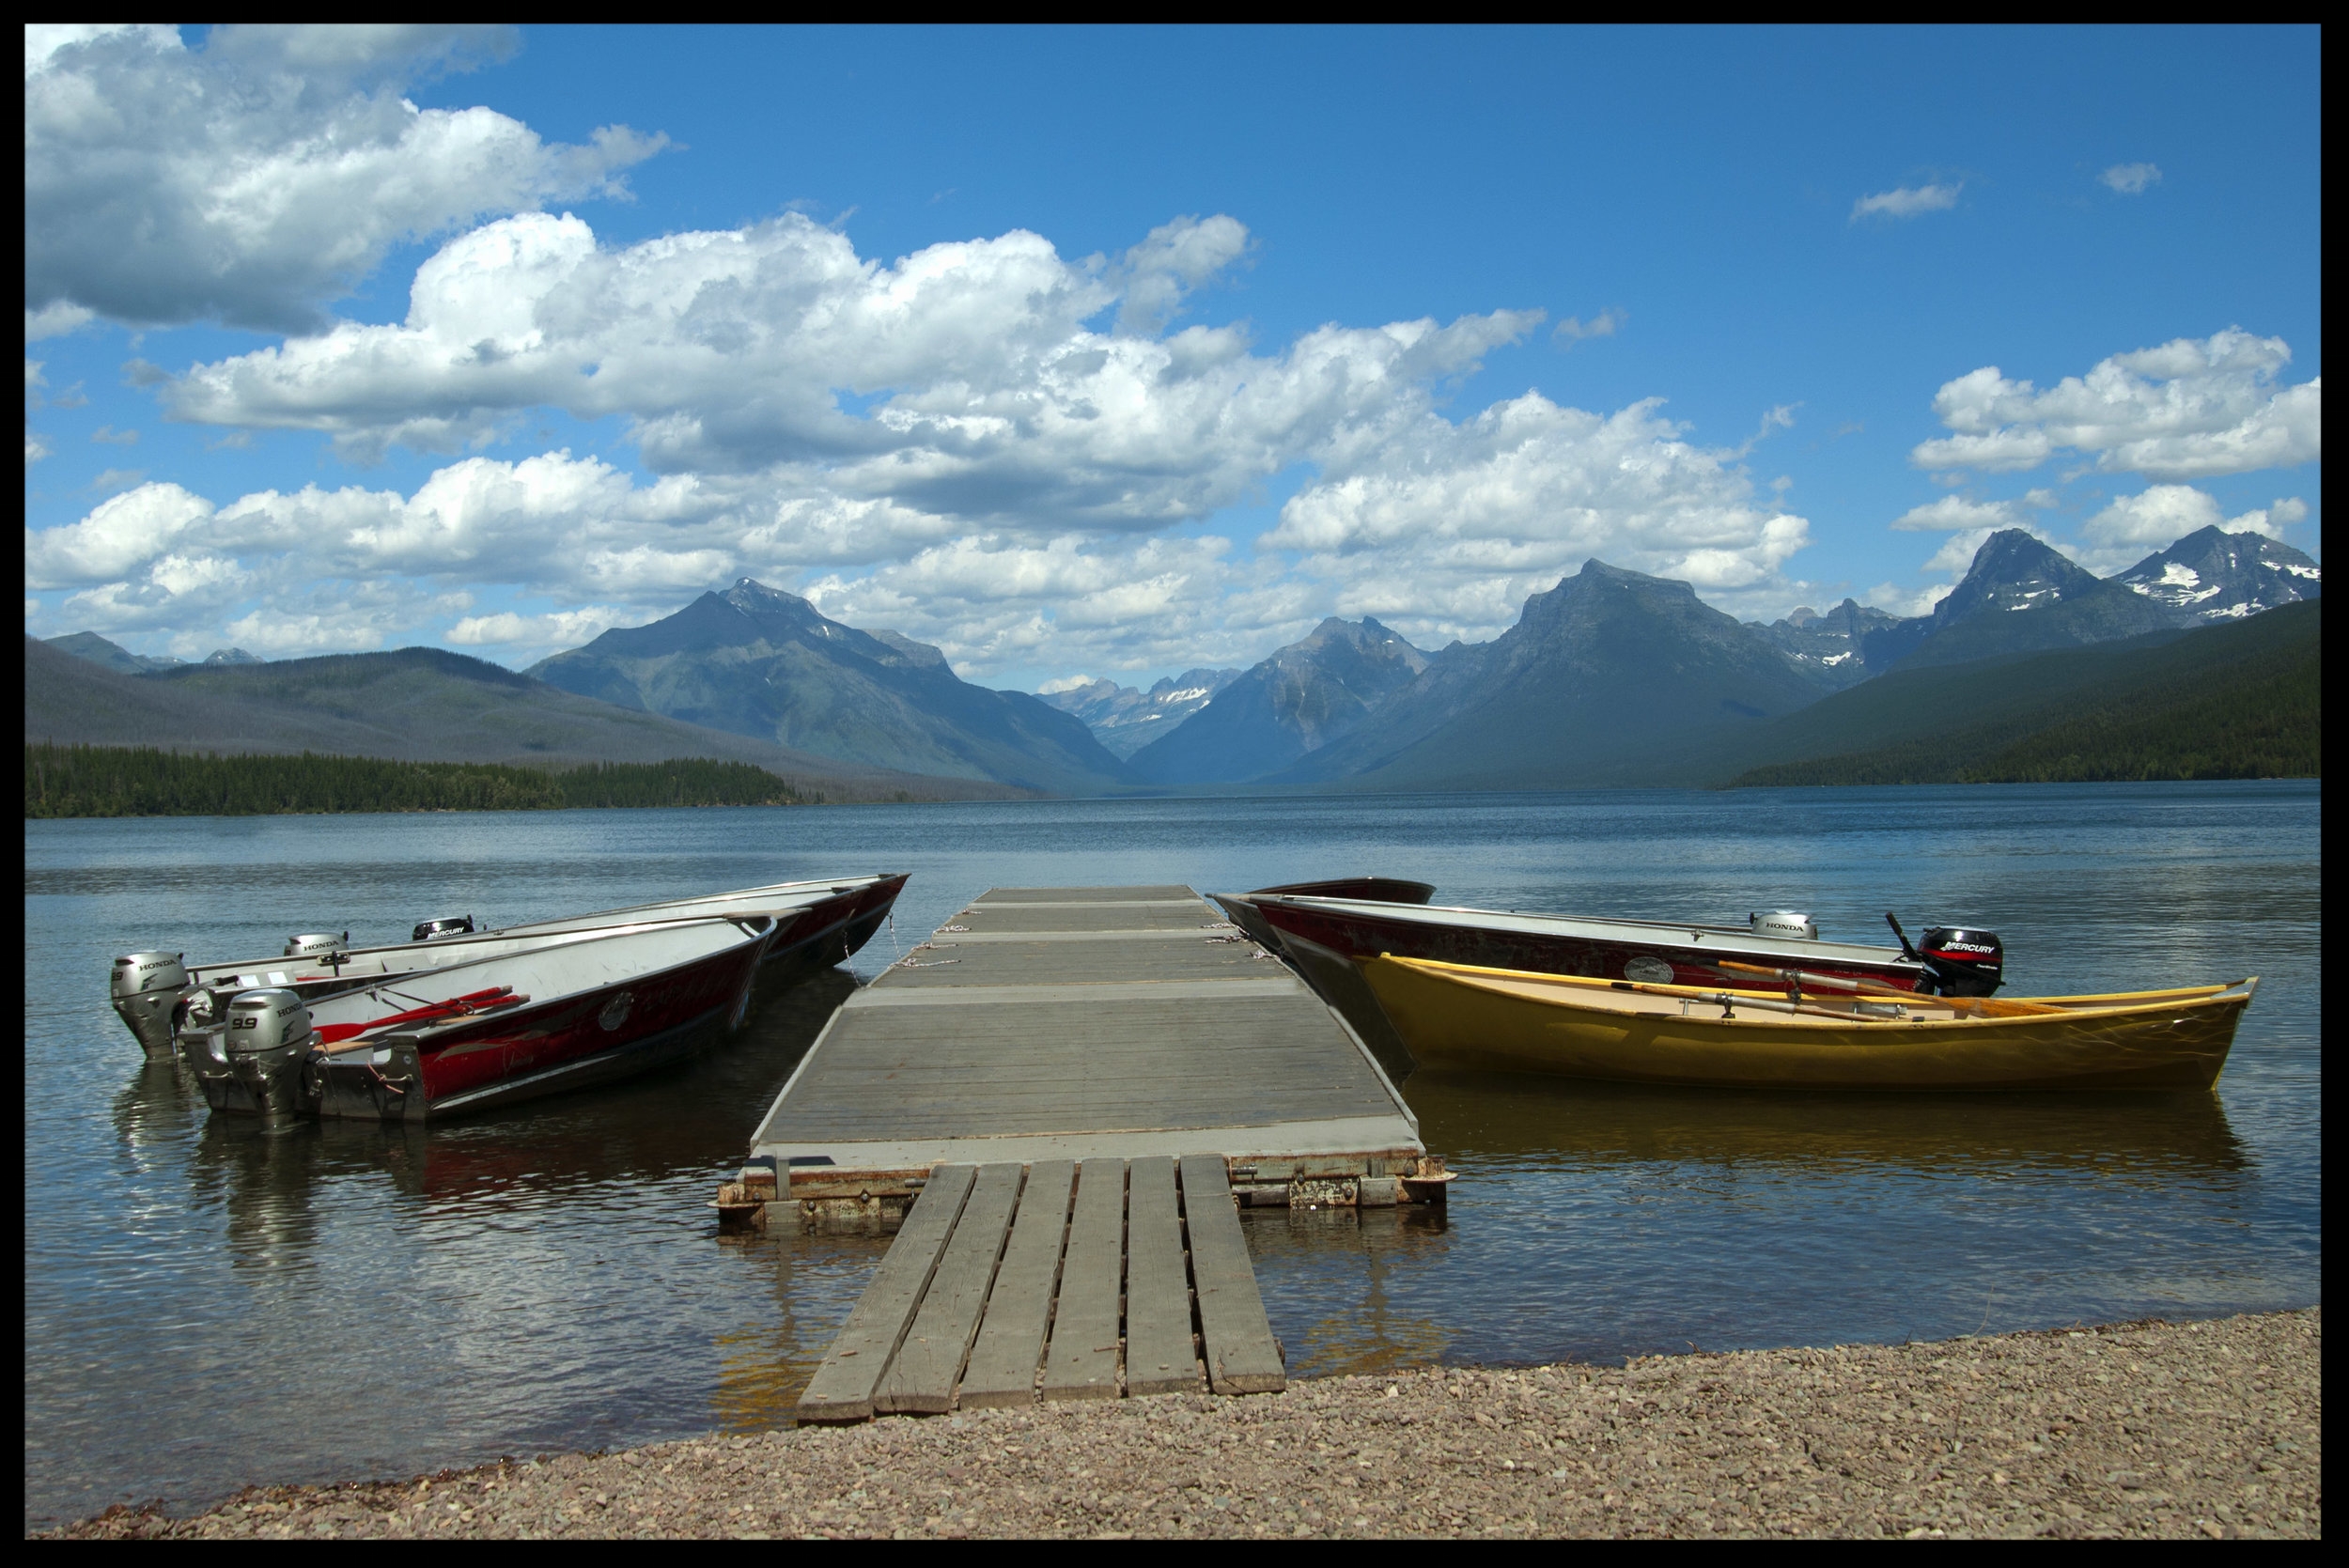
[146, 987]
[1966, 962]
[268, 1034]
[1784, 922]
[316, 942]
[448, 926]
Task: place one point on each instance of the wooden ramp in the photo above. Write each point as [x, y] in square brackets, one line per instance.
[1059, 1280]
[1057, 1024]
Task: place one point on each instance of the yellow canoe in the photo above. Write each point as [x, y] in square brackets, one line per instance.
[1507, 1020]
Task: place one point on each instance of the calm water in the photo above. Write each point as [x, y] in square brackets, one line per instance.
[208, 1304]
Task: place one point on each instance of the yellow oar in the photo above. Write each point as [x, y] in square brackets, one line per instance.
[1989, 1007]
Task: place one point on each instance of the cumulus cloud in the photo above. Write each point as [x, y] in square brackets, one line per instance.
[1908, 201]
[985, 394]
[1956, 513]
[256, 177]
[2136, 526]
[1174, 259]
[1573, 330]
[1447, 528]
[2189, 409]
[2130, 179]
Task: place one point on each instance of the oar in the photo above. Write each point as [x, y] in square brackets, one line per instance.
[1989, 1007]
[1727, 1001]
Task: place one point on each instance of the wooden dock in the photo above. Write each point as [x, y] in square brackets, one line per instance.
[1062, 1098]
[1062, 1279]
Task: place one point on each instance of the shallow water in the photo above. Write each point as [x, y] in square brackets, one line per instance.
[209, 1304]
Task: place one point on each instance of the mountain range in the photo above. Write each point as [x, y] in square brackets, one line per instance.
[1611, 677]
[756, 662]
[415, 704]
[1125, 719]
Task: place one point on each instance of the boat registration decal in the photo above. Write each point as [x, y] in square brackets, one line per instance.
[1651, 972]
[615, 1012]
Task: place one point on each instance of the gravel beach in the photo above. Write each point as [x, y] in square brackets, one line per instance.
[2152, 1429]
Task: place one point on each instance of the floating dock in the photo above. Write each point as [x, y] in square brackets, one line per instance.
[1061, 1099]
[1074, 1024]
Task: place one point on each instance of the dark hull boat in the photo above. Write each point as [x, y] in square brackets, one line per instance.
[158, 995]
[1328, 939]
[1380, 889]
[473, 1036]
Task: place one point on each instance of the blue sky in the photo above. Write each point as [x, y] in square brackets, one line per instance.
[1117, 352]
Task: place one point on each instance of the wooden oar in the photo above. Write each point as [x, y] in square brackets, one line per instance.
[1989, 1007]
[1728, 1000]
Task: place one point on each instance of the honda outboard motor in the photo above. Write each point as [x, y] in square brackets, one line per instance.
[1784, 922]
[316, 942]
[146, 987]
[1966, 962]
[448, 926]
[254, 1062]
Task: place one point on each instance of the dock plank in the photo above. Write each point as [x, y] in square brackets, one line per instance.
[1241, 1355]
[1010, 1347]
[850, 1374]
[921, 1379]
[1082, 1361]
[1159, 1358]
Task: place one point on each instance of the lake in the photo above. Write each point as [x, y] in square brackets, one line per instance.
[209, 1303]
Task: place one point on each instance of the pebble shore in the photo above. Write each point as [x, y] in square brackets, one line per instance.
[2211, 1429]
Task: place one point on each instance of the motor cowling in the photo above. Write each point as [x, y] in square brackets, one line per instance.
[263, 1024]
[448, 926]
[317, 942]
[146, 987]
[1966, 961]
[1784, 922]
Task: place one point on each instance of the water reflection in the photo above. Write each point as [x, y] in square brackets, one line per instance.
[1490, 1119]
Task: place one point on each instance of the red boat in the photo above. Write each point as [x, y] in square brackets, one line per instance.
[471, 1037]
[158, 995]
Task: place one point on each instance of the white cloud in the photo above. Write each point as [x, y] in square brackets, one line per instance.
[262, 174]
[2136, 526]
[1066, 683]
[55, 320]
[561, 628]
[2189, 409]
[988, 398]
[1908, 201]
[1894, 599]
[35, 448]
[1952, 512]
[2131, 178]
[1447, 528]
[1174, 259]
[1607, 323]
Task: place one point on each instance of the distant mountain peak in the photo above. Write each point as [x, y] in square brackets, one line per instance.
[2212, 575]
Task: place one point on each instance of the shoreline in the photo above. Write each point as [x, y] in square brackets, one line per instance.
[2160, 1429]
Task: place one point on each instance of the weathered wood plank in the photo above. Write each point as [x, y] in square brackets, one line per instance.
[921, 1379]
[1241, 1353]
[1159, 1358]
[845, 1383]
[1010, 1346]
[1082, 1361]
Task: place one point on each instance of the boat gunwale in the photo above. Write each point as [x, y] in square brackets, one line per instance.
[1593, 927]
[1475, 977]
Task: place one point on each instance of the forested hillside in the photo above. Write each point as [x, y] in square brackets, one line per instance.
[2238, 701]
[105, 781]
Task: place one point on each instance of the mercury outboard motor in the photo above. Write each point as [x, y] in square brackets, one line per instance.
[146, 987]
[1965, 960]
[316, 942]
[448, 926]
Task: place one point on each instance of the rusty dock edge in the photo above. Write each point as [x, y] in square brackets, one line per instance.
[825, 1200]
